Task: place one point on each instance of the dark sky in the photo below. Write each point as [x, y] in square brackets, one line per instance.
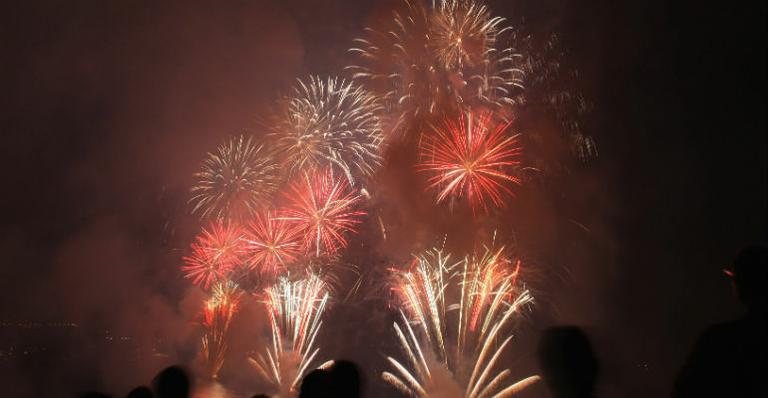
[107, 107]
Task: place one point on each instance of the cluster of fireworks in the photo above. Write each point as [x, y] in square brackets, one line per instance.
[277, 212]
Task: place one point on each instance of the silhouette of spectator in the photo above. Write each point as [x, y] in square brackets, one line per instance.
[141, 392]
[345, 380]
[729, 359]
[93, 394]
[260, 396]
[172, 382]
[568, 365]
[316, 385]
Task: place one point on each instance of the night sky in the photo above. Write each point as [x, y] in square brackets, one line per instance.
[108, 107]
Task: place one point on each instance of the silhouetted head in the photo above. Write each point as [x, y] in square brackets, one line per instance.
[141, 392]
[172, 382]
[749, 276]
[260, 396]
[93, 394]
[568, 365]
[345, 379]
[316, 384]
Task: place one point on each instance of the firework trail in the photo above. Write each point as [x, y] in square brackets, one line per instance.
[323, 208]
[218, 313]
[235, 181]
[330, 123]
[214, 254]
[295, 312]
[443, 57]
[453, 350]
[271, 243]
[471, 159]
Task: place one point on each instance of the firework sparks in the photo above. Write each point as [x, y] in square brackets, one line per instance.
[438, 58]
[323, 207]
[235, 180]
[295, 312]
[215, 253]
[218, 313]
[457, 351]
[270, 242]
[471, 159]
[331, 123]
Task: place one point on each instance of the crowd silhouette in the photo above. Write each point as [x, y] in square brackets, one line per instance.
[728, 359]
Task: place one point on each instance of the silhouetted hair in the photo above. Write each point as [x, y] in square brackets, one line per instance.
[172, 382]
[749, 273]
[316, 384]
[568, 364]
[345, 379]
[260, 396]
[141, 392]
[93, 394]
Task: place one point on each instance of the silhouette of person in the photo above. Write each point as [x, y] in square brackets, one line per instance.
[729, 359]
[141, 392]
[568, 364]
[172, 382]
[93, 394]
[345, 380]
[316, 384]
[260, 396]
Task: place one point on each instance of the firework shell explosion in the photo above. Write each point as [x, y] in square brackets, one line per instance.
[323, 207]
[217, 316]
[270, 243]
[329, 123]
[472, 158]
[214, 254]
[440, 58]
[235, 181]
[461, 310]
[295, 311]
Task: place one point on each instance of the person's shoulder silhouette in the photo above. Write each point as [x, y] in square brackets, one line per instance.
[172, 382]
[316, 384]
[568, 364]
[729, 359]
[345, 379]
[141, 392]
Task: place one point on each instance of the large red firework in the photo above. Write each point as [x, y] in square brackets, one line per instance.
[471, 158]
[215, 252]
[271, 242]
[322, 206]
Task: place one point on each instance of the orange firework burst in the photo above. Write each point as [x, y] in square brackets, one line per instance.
[471, 159]
[323, 208]
[217, 315]
[215, 252]
[271, 242]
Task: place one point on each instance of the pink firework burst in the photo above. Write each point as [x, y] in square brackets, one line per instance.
[270, 242]
[215, 253]
[471, 158]
[322, 206]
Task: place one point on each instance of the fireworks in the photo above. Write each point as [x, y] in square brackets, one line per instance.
[271, 242]
[471, 159]
[295, 312]
[440, 58]
[458, 349]
[234, 181]
[323, 207]
[215, 253]
[218, 313]
[331, 123]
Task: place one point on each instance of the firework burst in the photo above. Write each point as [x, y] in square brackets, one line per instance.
[471, 159]
[330, 123]
[295, 311]
[235, 180]
[444, 57]
[217, 315]
[214, 254]
[323, 208]
[453, 350]
[270, 242]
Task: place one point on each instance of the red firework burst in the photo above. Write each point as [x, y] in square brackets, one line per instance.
[322, 206]
[215, 252]
[271, 242]
[471, 159]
